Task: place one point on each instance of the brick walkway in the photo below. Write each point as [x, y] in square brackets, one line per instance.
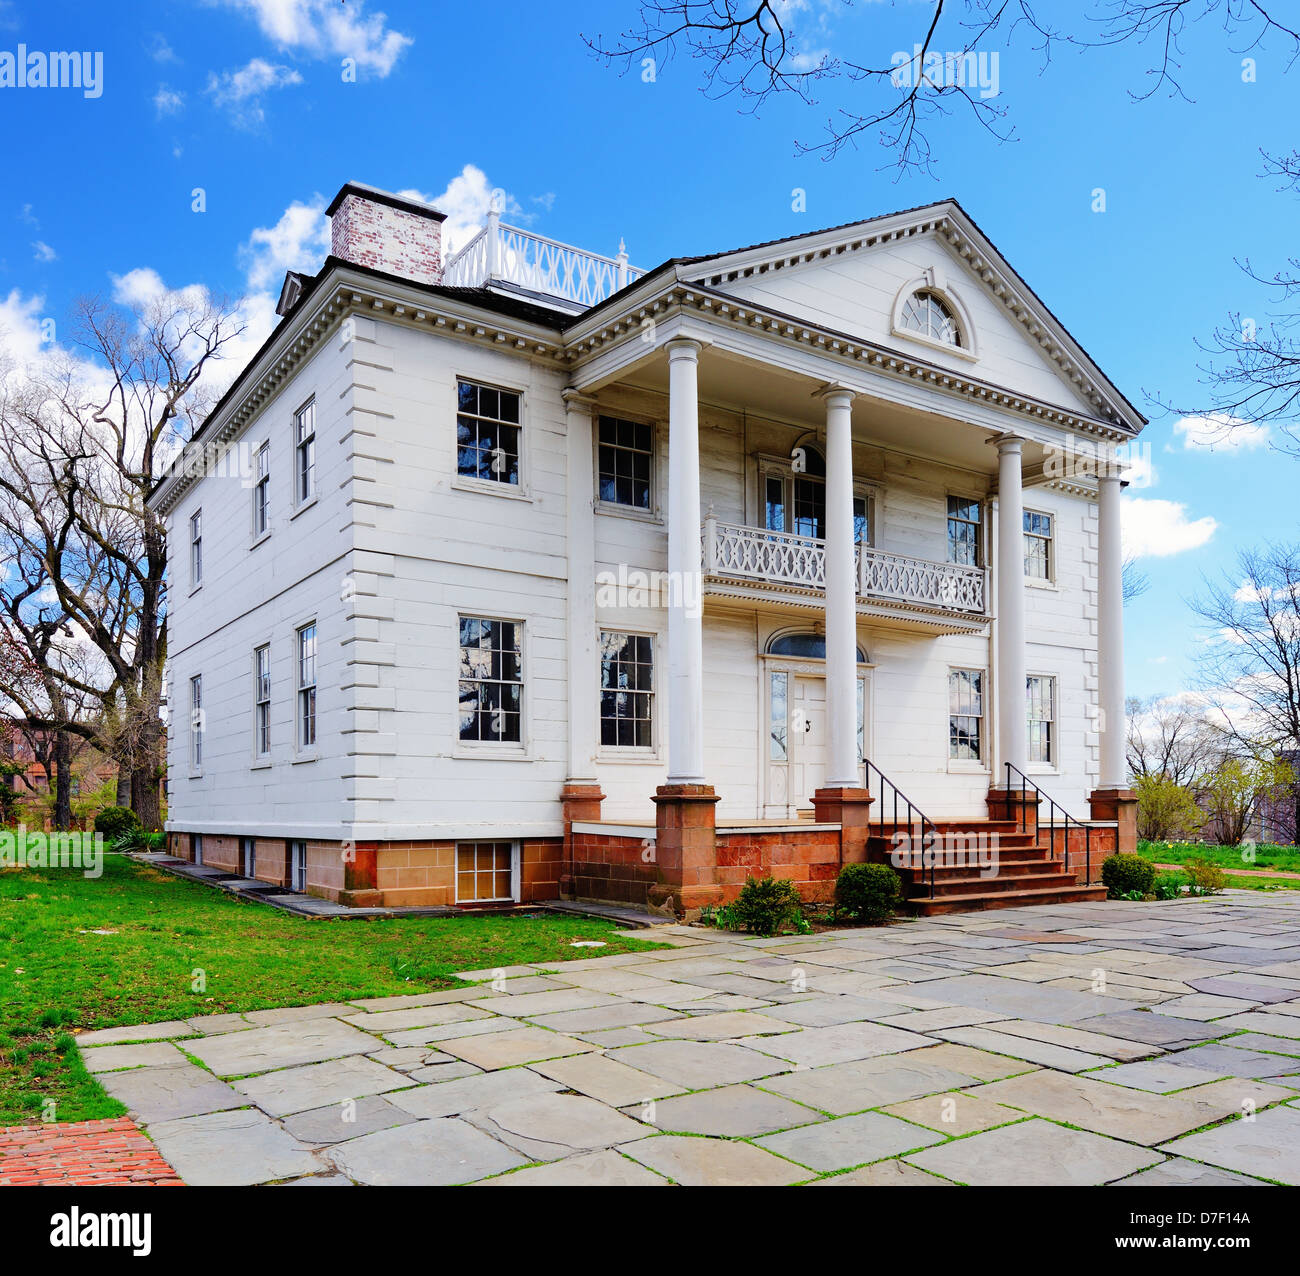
[82, 1154]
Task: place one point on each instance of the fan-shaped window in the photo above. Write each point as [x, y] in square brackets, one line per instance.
[804, 647]
[923, 312]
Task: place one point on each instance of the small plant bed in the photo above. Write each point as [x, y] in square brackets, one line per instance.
[865, 895]
[1134, 877]
[139, 946]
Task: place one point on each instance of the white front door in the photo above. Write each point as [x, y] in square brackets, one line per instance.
[807, 739]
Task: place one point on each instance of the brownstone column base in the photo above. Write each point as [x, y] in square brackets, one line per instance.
[361, 876]
[578, 802]
[851, 810]
[1119, 805]
[686, 848]
[1012, 804]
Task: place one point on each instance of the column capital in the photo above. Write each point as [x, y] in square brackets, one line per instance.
[575, 399]
[833, 391]
[1008, 444]
[684, 348]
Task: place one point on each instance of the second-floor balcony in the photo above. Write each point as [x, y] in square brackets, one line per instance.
[762, 564]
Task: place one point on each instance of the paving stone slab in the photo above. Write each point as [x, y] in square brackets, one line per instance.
[296, 1014]
[139, 1032]
[726, 1026]
[434, 1153]
[238, 1054]
[696, 1065]
[111, 1058]
[1267, 1147]
[1154, 1029]
[976, 1063]
[548, 1127]
[386, 1021]
[929, 1020]
[606, 1079]
[211, 1025]
[955, 1113]
[466, 1094]
[611, 1038]
[315, 1084]
[338, 1122]
[1203, 1006]
[838, 1043]
[1179, 1173]
[695, 1162]
[529, 1004]
[1157, 1076]
[868, 1083]
[1259, 993]
[436, 1033]
[1071, 1038]
[509, 1049]
[605, 1168]
[849, 1141]
[408, 1000]
[601, 1018]
[884, 1174]
[1033, 1153]
[1229, 1061]
[733, 1112]
[167, 1093]
[406, 1058]
[1273, 1023]
[232, 1149]
[1015, 999]
[452, 1071]
[1039, 1052]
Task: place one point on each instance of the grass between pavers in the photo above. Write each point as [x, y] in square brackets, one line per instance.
[180, 949]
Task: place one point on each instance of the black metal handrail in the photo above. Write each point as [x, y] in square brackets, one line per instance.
[929, 841]
[1053, 808]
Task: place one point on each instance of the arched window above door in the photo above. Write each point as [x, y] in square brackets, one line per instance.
[804, 646]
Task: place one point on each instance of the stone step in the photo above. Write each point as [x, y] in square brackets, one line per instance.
[964, 872]
[975, 885]
[1005, 899]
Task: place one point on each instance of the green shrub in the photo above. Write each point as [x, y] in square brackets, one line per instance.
[1204, 878]
[1124, 874]
[114, 821]
[1168, 885]
[868, 892]
[764, 905]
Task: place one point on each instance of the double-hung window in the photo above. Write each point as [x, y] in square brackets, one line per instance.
[626, 462]
[196, 549]
[487, 433]
[196, 722]
[262, 702]
[1040, 719]
[491, 680]
[304, 451]
[307, 686]
[1038, 545]
[966, 715]
[262, 491]
[964, 523]
[626, 690]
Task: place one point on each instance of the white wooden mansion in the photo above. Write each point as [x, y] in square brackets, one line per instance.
[541, 575]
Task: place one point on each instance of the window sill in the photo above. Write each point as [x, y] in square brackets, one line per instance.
[261, 539]
[262, 764]
[194, 589]
[615, 510]
[303, 758]
[195, 775]
[491, 753]
[303, 508]
[1037, 582]
[628, 757]
[510, 491]
[957, 767]
[907, 334]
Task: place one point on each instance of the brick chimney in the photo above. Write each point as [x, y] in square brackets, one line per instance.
[387, 232]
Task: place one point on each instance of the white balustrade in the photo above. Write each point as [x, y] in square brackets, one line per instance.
[783, 558]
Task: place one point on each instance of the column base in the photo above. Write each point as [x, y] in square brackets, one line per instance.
[579, 800]
[850, 808]
[1015, 804]
[1119, 805]
[686, 849]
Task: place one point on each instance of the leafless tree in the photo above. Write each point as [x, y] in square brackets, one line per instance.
[1134, 582]
[754, 52]
[1172, 737]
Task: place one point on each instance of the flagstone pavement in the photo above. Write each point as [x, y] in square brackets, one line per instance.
[1094, 1043]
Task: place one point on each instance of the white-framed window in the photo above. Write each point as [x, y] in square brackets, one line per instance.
[491, 680]
[923, 312]
[196, 848]
[307, 686]
[196, 722]
[1038, 545]
[298, 866]
[247, 857]
[627, 690]
[262, 491]
[966, 715]
[625, 460]
[262, 701]
[965, 520]
[196, 549]
[487, 872]
[304, 451]
[487, 432]
[1040, 719]
[794, 498]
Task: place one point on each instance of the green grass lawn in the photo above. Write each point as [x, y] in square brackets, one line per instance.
[180, 949]
[1284, 859]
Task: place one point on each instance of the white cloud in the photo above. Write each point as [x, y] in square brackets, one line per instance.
[20, 328]
[241, 91]
[161, 51]
[167, 101]
[41, 251]
[325, 28]
[467, 200]
[300, 241]
[1220, 432]
[1158, 529]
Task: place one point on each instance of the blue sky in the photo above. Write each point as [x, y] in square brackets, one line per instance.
[246, 99]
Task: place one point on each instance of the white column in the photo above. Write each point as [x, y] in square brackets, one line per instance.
[1110, 633]
[583, 671]
[1011, 610]
[685, 569]
[841, 594]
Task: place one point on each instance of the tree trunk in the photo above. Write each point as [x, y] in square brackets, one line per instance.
[123, 785]
[62, 781]
[144, 777]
